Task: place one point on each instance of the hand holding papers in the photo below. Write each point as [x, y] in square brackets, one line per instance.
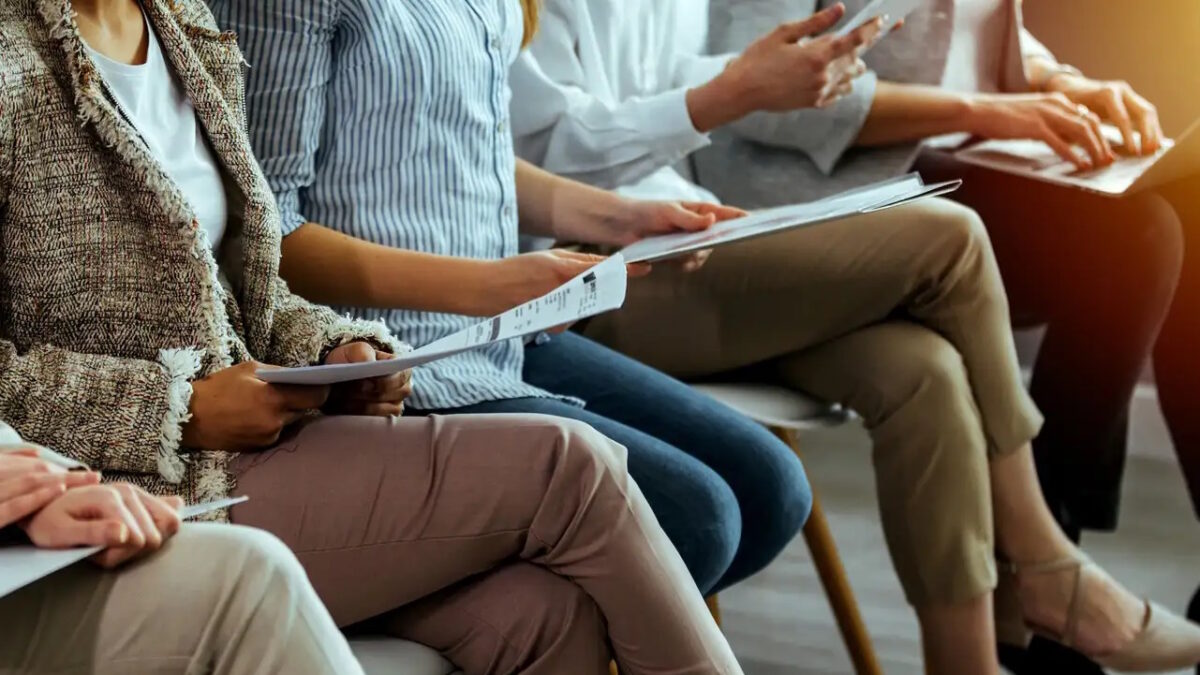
[600, 289]
[24, 564]
[876, 197]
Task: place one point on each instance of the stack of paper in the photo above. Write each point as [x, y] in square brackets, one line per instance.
[600, 289]
[24, 564]
[875, 197]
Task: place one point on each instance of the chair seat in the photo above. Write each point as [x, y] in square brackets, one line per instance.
[389, 656]
[776, 406]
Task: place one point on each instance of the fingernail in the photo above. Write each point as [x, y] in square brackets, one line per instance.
[123, 534]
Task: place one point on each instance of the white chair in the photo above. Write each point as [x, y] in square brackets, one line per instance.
[389, 656]
[786, 412]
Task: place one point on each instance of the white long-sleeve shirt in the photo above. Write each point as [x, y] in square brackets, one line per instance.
[600, 95]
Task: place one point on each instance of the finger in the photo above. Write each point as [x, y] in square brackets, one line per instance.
[71, 533]
[695, 261]
[1118, 114]
[794, 31]
[1077, 130]
[1145, 117]
[850, 45]
[382, 409]
[76, 479]
[298, 397]
[31, 482]
[114, 557]
[568, 254]
[1064, 149]
[18, 508]
[151, 536]
[1096, 127]
[636, 270]
[166, 518]
[680, 218]
[174, 502]
[721, 211]
[353, 352]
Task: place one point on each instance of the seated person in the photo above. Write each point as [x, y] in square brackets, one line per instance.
[1115, 281]
[387, 121]
[899, 315]
[140, 291]
[218, 595]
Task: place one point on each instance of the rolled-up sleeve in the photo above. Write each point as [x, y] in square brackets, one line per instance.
[289, 43]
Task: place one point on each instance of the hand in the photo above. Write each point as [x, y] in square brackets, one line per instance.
[1051, 118]
[1118, 104]
[786, 69]
[235, 411]
[717, 212]
[28, 484]
[124, 519]
[517, 280]
[377, 397]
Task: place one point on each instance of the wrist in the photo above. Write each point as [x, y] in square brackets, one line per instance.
[718, 102]
[974, 112]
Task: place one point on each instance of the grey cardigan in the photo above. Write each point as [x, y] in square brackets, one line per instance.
[769, 159]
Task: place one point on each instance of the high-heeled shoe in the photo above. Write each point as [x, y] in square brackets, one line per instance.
[1165, 641]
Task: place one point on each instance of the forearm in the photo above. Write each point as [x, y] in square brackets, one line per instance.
[565, 210]
[903, 113]
[331, 268]
[716, 103]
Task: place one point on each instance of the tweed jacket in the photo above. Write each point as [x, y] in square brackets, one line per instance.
[111, 302]
[767, 159]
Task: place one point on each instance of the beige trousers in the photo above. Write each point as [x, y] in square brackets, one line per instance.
[899, 315]
[510, 543]
[217, 599]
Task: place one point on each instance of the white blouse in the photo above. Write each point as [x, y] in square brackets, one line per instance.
[977, 46]
[157, 106]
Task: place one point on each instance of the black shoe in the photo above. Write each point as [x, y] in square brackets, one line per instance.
[1045, 657]
[1193, 614]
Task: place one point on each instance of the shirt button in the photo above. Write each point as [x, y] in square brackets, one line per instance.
[502, 126]
[494, 43]
[508, 211]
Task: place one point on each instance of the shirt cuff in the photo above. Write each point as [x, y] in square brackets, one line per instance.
[290, 218]
[666, 117]
[848, 115]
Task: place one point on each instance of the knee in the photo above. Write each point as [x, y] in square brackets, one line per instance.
[549, 621]
[925, 390]
[954, 230]
[266, 570]
[701, 516]
[774, 496]
[1148, 246]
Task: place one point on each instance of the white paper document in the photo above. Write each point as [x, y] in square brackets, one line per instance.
[598, 290]
[24, 564]
[1128, 175]
[874, 197]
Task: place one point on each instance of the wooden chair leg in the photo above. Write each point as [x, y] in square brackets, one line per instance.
[833, 578]
[714, 606]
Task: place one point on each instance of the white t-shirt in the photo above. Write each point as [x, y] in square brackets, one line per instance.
[157, 106]
[977, 47]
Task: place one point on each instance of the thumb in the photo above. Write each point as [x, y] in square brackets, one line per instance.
[680, 218]
[816, 24]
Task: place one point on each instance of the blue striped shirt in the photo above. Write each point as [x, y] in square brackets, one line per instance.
[387, 120]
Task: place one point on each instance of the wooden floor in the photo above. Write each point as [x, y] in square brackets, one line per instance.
[779, 622]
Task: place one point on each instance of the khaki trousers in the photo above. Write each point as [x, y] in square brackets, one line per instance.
[510, 543]
[899, 315]
[216, 599]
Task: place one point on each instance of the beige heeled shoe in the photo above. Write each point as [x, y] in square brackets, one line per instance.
[1165, 642]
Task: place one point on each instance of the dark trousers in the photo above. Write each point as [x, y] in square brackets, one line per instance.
[1110, 281]
[1114, 285]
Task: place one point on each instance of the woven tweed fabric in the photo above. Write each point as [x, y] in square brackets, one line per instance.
[110, 300]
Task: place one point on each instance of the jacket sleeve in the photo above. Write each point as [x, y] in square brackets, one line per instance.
[113, 414]
[303, 333]
[560, 124]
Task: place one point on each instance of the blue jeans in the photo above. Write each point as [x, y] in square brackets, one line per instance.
[728, 493]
